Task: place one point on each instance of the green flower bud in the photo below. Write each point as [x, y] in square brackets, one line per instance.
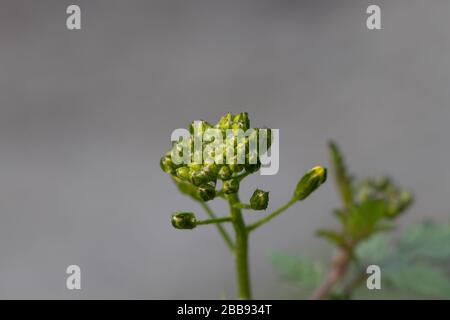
[211, 170]
[241, 121]
[310, 182]
[268, 134]
[206, 192]
[167, 164]
[225, 122]
[184, 173]
[406, 199]
[234, 166]
[399, 204]
[225, 173]
[195, 166]
[184, 220]
[200, 125]
[230, 186]
[199, 177]
[251, 168]
[259, 200]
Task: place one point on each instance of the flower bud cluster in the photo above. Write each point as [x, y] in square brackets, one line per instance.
[221, 152]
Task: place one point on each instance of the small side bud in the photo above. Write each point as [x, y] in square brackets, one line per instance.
[225, 173]
[206, 192]
[184, 173]
[230, 186]
[241, 121]
[184, 220]
[310, 182]
[225, 122]
[199, 177]
[167, 164]
[259, 200]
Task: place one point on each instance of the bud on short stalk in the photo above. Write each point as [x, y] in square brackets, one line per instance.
[259, 200]
[184, 220]
[310, 182]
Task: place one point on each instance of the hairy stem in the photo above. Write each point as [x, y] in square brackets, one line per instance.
[219, 227]
[241, 248]
[337, 271]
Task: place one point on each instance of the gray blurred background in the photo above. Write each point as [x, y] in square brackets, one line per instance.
[86, 115]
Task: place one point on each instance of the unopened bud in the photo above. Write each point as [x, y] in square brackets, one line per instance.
[184, 220]
[167, 164]
[206, 192]
[310, 182]
[230, 186]
[259, 200]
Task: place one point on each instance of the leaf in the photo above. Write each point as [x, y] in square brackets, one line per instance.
[421, 279]
[418, 264]
[427, 240]
[305, 273]
[343, 180]
[332, 236]
[376, 250]
[362, 219]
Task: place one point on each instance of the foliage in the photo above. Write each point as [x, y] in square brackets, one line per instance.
[369, 207]
[418, 263]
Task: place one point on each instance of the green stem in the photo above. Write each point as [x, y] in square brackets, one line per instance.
[241, 251]
[271, 216]
[242, 206]
[219, 227]
[215, 220]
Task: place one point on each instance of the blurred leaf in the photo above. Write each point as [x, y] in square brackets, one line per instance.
[422, 279]
[376, 249]
[411, 265]
[332, 236]
[304, 273]
[343, 180]
[427, 240]
[362, 219]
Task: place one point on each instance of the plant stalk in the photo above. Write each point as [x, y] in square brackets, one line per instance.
[241, 248]
[223, 233]
[338, 269]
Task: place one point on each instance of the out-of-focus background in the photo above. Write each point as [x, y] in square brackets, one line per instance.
[86, 115]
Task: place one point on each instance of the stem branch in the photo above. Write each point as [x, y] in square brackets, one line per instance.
[271, 216]
[214, 220]
[219, 227]
[338, 269]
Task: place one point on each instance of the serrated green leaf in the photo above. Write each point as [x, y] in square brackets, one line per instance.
[303, 272]
[427, 240]
[421, 279]
[376, 250]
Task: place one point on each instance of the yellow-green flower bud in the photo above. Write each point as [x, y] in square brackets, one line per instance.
[225, 122]
[184, 220]
[225, 173]
[167, 164]
[200, 126]
[310, 182]
[241, 121]
[230, 186]
[199, 177]
[184, 173]
[259, 200]
[206, 192]
[211, 170]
